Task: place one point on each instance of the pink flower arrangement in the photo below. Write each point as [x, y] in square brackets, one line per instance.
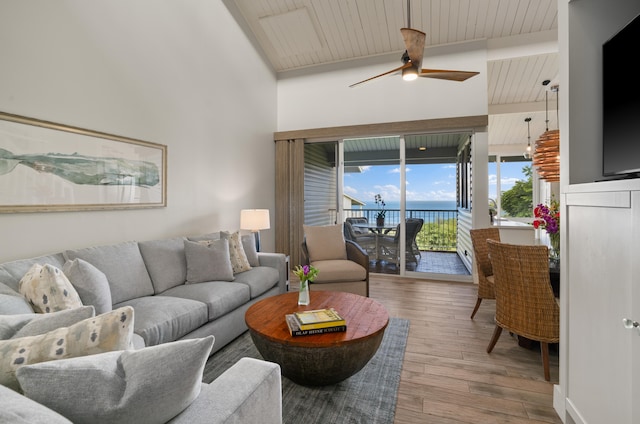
[547, 217]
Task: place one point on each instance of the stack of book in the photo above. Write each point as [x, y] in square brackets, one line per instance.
[315, 322]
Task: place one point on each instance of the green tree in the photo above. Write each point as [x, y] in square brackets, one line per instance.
[518, 201]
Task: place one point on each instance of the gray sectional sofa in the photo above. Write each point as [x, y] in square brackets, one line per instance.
[178, 293]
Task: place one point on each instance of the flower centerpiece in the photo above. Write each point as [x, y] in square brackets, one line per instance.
[382, 212]
[306, 274]
[548, 217]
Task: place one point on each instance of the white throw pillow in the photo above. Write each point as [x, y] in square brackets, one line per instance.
[48, 289]
[103, 333]
[145, 386]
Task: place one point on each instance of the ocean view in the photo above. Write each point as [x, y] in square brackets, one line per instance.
[439, 205]
[425, 209]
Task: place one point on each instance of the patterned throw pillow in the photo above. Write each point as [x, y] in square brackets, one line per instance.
[103, 333]
[48, 290]
[239, 261]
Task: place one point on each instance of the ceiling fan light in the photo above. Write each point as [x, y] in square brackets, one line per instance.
[409, 74]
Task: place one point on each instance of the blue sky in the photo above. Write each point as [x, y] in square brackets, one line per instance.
[424, 182]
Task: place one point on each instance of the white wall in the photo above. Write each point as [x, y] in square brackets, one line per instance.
[176, 73]
[323, 98]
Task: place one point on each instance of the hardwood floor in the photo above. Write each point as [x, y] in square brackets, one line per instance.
[447, 375]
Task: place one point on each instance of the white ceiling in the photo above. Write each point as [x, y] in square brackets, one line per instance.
[521, 34]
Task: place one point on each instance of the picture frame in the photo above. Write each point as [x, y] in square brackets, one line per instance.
[47, 167]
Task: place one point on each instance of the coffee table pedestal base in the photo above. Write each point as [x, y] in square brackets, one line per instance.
[318, 366]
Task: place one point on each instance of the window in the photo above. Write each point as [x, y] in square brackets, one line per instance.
[515, 188]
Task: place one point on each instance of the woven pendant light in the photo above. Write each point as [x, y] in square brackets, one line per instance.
[546, 157]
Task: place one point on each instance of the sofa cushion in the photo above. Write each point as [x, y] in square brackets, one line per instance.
[18, 409]
[165, 261]
[147, 386]
[48, 290]
[325, 242]
[12, 272]
[220, 297]
[161, 319]
[249, 246]
[259, 279]
[123, 265]
[208, 261]
[12, 302]
[239, 261]
[333, 271]
[90, 283]
[26, 325]
[106, 332]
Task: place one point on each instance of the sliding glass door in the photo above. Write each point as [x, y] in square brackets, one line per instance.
[412, 181]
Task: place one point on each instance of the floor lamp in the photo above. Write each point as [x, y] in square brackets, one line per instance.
[255, 220]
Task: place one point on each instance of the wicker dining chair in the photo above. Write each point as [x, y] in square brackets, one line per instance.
[479, 237]
[525, 304]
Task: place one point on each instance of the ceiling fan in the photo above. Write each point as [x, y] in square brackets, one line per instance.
[412, 59]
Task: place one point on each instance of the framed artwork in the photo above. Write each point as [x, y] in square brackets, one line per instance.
[51, 167]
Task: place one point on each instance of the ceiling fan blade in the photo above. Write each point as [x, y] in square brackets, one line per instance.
[406, 65]
[447, 74]
[414, 42]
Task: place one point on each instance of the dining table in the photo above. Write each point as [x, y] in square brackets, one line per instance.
[378, 231]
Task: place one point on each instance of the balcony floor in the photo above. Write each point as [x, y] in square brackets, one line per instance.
[434, 262]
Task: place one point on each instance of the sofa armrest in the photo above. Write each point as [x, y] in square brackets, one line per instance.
[279, 262]
[248, 392]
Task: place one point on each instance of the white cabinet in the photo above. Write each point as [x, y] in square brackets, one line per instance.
[603, 274]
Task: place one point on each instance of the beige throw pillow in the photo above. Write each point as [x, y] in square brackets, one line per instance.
[103, 333]
[239, 261]
[325, 242]
[48, 290]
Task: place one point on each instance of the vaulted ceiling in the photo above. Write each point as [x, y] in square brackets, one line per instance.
[521, 37]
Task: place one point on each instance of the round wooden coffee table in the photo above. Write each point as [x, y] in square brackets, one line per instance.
[320, 359]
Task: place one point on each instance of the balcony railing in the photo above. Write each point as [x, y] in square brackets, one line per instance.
[438, 233]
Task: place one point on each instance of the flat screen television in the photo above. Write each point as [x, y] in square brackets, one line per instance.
[621, 104]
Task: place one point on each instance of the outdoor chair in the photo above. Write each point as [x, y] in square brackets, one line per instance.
[362, 236]
[359, 220]
[413, 247]
[390, 244]
[342, 264]
[525, 304]
[479, 237]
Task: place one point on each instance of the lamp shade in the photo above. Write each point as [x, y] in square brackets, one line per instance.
[254, 219]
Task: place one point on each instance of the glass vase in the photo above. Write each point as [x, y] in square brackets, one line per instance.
[303, 293]
[554, 250]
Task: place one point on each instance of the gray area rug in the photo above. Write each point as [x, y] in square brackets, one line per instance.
[367, 397]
